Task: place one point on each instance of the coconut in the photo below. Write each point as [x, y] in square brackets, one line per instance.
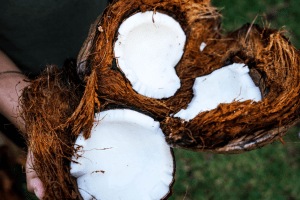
[243, 115]
[199, 22]
[137, 46]
[245, 125]
[126, 157]
[213, 92]
[224, 85]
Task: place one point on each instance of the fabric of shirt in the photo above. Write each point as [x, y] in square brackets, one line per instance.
[36, 33]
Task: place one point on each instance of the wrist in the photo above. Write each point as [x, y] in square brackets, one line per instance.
[12, 84]
[10, 72]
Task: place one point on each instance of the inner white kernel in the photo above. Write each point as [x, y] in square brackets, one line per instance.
[202, 46]
[225, 85]
[126, 157]
[148, 48]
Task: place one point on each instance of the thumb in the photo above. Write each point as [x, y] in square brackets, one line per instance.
[34, 184]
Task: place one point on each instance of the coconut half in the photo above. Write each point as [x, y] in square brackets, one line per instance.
[225, 85]
[126, 157]
[148, 48]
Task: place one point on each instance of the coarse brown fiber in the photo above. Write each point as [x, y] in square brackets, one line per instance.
[57, 106]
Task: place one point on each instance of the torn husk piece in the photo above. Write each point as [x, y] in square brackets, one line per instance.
[47, 104]
[56, 109]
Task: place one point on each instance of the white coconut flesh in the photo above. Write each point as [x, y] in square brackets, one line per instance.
[225, 85]
[126, 157]
[148, 48]
[202, 46]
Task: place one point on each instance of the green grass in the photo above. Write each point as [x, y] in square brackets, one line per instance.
[272, 172]
[274, 13]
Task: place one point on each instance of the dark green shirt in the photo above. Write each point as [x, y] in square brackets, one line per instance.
[36, 33]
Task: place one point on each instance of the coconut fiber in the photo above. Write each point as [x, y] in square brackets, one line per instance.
[60, 104]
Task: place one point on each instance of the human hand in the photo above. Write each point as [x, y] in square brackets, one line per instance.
[34, 184]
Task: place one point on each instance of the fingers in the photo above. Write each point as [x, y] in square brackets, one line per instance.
[34, 184]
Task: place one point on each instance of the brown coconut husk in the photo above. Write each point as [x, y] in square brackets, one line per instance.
[48, 104]
[273, 62]
[242, 126]
[56, 108]
[199, 21]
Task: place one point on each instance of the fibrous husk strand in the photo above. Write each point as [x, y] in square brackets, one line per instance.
[82, 118]
[47, 105]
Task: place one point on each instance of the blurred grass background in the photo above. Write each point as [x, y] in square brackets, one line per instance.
[272, 172]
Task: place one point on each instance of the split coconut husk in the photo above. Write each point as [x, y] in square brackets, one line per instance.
[58, 107]
[234, 127]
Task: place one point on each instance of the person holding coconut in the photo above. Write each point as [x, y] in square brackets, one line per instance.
[35, 34]
[57, 109]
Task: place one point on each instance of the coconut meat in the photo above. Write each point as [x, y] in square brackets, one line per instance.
[202, 46]
[225, 85]
[148, 48]
[126, 157]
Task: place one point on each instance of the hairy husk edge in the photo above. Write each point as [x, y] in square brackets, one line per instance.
[58, 105]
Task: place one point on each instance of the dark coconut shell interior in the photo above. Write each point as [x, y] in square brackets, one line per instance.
[59, 105]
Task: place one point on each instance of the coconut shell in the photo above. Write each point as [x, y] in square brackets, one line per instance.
[57, 107]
